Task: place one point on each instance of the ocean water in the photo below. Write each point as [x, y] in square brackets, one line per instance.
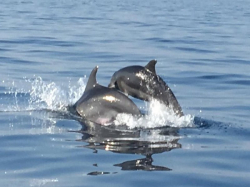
[47, 51]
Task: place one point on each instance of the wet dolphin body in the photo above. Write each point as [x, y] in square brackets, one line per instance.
[143, 83]
[101, 104]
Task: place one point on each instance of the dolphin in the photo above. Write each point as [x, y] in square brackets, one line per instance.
[143, 83]
[101, 104]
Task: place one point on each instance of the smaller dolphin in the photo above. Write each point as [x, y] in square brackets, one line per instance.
[143, 83]
[101, 105]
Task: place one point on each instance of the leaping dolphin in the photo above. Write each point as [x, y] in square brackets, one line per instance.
[143, 83]
[101, 104]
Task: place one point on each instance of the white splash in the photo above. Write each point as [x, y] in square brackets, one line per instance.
[42, 95]
[158, 116]
[141, 75]
[54, 97]
[49, 95]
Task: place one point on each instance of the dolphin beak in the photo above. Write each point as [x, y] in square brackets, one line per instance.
[111, 85]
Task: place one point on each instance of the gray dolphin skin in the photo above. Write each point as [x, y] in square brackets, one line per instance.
[143, 83]
[101, 104]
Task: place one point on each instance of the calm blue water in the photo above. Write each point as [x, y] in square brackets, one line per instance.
[47, 50]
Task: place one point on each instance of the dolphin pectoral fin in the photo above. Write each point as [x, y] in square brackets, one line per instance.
[151, 66]
[92, 79]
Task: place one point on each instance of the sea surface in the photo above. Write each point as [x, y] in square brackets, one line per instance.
[47, 51]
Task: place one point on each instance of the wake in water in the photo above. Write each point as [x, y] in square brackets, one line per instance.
[43, 95]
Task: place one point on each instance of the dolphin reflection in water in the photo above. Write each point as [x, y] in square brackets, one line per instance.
[146, 142]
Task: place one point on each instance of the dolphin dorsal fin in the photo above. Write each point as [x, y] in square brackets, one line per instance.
[92, 79]
[151, 66]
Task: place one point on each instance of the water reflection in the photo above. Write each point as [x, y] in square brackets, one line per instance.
[144, 142]
[142, 164]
